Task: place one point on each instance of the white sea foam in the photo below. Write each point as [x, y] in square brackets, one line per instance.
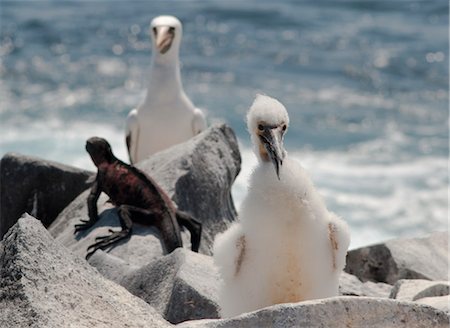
[61, 141]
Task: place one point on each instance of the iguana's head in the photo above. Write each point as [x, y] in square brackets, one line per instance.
[100, 150]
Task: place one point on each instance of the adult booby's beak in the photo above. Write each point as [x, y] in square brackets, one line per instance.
[273, 144]
[164, 38]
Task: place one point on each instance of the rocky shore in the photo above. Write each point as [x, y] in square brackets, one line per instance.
[45, 281]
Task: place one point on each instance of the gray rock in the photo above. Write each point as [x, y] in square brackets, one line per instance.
[412, 290]
[44, 285]
[197, 174]
[335, 313]
[412, 258]
[181, 286]
[40, 187]
[437, 290]
[350, 285]
[110, 266]
[441, 303]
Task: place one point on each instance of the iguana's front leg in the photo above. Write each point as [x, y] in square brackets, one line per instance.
[92, 208]
[164, 221]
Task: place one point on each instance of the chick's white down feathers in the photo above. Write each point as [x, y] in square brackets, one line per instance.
[286, 246]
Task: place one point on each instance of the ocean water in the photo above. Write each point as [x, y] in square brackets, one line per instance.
[365, 83]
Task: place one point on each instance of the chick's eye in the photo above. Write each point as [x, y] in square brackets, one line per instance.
[154, 30]
[171, 29]
[284, 127]
[260, 127]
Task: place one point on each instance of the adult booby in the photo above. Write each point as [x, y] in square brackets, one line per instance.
[166, 116]
[286, 246]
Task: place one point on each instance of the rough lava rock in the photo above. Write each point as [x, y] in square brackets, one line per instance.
[181, 286]
[414, 289]
[439, 302]
[338, 312]
[350, 285]
[197, 174]
[432, 293]
[44, 285]
[40, 187]
[404, 258]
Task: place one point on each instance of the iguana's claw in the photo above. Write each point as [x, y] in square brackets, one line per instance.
[82, 226]
[103, 242]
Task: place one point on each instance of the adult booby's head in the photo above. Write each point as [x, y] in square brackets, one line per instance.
[100, 150]
[267, 122]
[166, 34]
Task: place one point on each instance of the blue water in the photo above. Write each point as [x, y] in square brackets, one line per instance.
[365, 83]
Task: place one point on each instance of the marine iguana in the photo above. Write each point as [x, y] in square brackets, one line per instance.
[138, 198]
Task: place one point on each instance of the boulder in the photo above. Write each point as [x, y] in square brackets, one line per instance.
[42, 284]
[197, 175]
[349, 285]
[181, 286]
[441, 303]
[415, 289]
[404, 258]
[338, 312]
[110, 266]
[40, 187]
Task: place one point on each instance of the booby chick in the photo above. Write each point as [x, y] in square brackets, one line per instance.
[166, 116]
[286, 246]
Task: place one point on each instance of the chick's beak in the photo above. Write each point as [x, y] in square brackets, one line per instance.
[273, 144]
[164, 38]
